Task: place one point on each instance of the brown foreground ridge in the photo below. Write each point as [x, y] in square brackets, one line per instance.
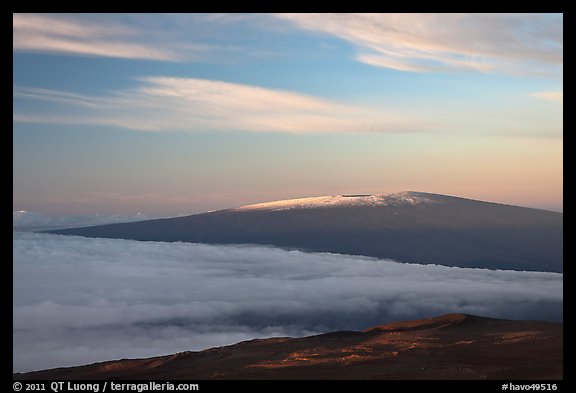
[452, 346]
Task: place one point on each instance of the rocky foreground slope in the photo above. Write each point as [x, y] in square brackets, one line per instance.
[453, 346]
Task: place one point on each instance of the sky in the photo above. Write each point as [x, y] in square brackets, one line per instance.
[80, 300]
[153, 115]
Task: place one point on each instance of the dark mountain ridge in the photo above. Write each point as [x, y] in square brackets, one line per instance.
[412, 227]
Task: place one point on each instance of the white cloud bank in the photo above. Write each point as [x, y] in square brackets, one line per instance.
[508, 43]
[79, 300]
[187, 104]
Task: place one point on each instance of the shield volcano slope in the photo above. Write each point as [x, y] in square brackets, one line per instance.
[411, 227]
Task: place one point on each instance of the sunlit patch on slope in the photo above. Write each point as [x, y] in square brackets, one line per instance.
[410, 198]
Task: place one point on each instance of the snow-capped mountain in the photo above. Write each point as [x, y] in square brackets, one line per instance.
[407, 197]
[413, 227]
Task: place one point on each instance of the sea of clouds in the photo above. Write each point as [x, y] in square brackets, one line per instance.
[80, 300]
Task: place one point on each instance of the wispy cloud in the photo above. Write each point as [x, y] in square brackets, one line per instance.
[79, 300]
[60, 34]
[510, 43]
[184, 104]
[160, 37]
[557, 96]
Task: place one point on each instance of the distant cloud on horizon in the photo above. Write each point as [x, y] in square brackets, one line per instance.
[23, 220]
[557, 96]
[80, 300]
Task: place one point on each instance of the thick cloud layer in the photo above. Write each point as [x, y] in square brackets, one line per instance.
[79, 300]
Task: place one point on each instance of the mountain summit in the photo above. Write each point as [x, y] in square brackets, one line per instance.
[407, 197]
[414, 227]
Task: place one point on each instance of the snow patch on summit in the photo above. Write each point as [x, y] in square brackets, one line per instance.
[402, 198]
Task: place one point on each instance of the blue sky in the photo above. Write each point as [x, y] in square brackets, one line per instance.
[165, 114]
